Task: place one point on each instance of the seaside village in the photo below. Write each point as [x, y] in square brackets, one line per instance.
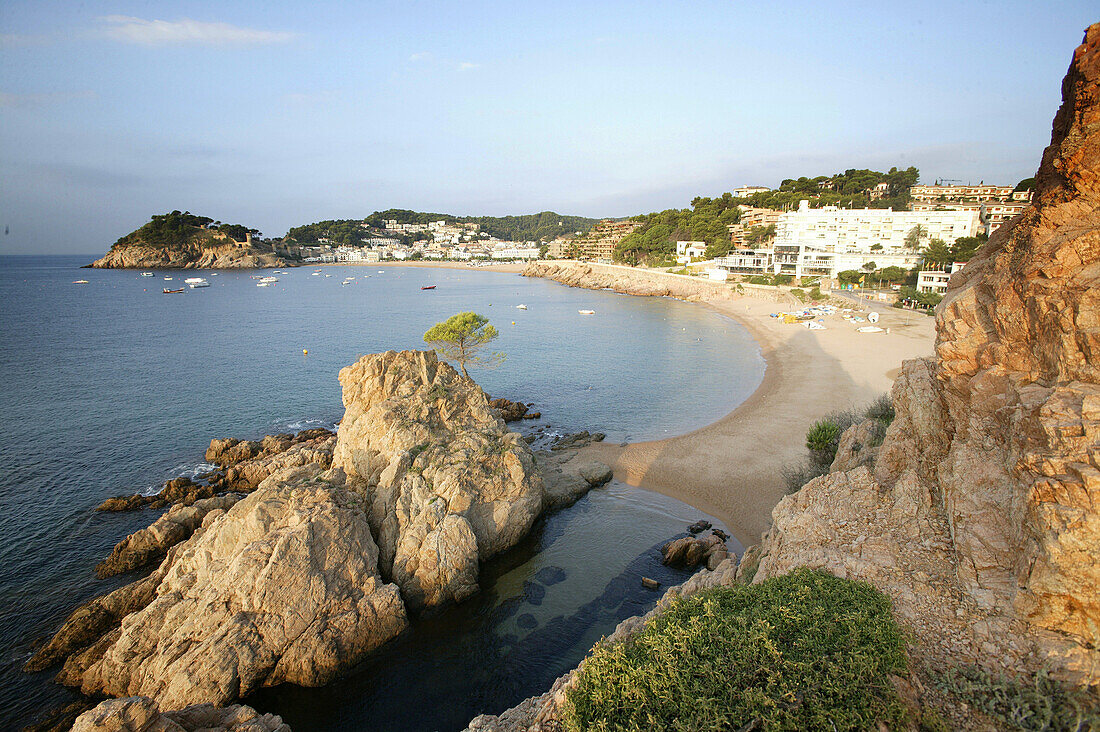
[878, 254]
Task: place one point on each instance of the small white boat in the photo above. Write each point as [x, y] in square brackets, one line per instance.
[194, 282]
[269, 279]
[80, 282]
[167, 278]
[189, 280]
[521, 307]
[328, 275]
[213, 274]
[146, 274]
[263, 284]
[587, 312]
[315, 274]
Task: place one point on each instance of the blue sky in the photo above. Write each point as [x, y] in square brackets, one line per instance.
[276, 114]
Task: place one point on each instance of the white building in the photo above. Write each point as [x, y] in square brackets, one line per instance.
[747, 261]
[935, 280]
[746, 191]
[688, 250]
[516, 252]
[826, 241]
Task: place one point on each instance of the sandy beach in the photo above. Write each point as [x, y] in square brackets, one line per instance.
[731, 468]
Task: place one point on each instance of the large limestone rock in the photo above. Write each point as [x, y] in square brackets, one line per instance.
[282, 587]
[630, 281]
[446, 483]
[140, 714]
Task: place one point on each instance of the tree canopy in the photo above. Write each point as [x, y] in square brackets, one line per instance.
[177, 229]
[462, 338]
[847, 189]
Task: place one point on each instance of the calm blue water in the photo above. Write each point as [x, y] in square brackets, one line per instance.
[112, 387]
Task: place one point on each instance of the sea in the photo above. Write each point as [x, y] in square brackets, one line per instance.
[112, 387]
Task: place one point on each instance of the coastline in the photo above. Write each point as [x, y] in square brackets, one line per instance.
[731, 469]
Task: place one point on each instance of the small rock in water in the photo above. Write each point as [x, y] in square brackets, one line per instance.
[534, 592]
[698, 527]
[527, 621]
[650, 584]
[720, 534]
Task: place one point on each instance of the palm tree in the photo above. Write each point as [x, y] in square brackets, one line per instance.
[914, 237]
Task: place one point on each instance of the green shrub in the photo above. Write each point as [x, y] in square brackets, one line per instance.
[801, 295]
[1035, 703]
[797, 652]
[823, 436]
[881, 409]
[796, 476]
[815, 294]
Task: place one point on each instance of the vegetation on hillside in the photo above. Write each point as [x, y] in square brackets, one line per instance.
[708, 219]
[176, 230]
[800, 651]
[542, 226]
[848, 189]
[823, 439]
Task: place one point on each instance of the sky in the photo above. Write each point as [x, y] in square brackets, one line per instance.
[276, 114]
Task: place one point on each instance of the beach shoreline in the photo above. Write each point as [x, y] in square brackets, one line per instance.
[732, 468]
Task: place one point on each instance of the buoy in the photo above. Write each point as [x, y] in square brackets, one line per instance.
[513, 322]
[305, 352]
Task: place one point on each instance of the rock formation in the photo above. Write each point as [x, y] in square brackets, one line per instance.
[140, 714]
[151, 544]
[192, 247]
[282, 587]
[447, 485]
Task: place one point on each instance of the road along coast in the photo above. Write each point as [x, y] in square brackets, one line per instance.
[731, 469]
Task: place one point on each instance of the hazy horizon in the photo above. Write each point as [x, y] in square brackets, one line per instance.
[279, 116]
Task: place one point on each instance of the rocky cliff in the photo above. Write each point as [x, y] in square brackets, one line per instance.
[446, 483]
[197, 248]
[979, 515]
[629, 281]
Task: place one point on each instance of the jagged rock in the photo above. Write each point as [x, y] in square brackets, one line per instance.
[635, 282]
[283, 587]
[447, 485]
[151, 544]
[699, 526]
[595, 473]
[858, 445]
[129, 503]
[577, 440]
[508, 410]
[690, 551]
[140, 714]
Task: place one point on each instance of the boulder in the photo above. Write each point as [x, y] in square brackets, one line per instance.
[508, 410]
[446, 484]
[282, 587]
[140, 714]
[151, 544]
[690, 551]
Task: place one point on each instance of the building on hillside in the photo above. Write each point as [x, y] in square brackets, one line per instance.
[878, 191]
[746, 191]
[935, 280]
[600, 242]
[558, 247]
[960, 193]
[516, 252]
[747, 262]
[995, 213]
[688, 250]
[828, 240]
[750, 218]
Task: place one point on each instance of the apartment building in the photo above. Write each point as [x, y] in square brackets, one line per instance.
[747, 262]
[750, 218]
[746, 191]
[828, 240]
[935, 280]
[600, 242]
[954, 193]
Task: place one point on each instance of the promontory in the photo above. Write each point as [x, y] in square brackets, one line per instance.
[185, 241]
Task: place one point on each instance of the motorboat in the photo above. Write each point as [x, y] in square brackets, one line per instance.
[191, 280]
[263, 284]
[146, 274]
[167, 278]
[428, 287]
[80, 282]
[194, 282]
[172, 292]
[587, 312]
[269, 279]
[521, 307]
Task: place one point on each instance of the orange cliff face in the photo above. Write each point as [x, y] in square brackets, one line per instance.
[981, 516]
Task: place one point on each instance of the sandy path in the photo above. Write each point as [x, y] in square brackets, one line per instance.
[731, 469]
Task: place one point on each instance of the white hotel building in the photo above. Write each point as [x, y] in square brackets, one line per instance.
[826, 241]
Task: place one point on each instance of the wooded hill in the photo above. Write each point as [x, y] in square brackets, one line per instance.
[542, 226]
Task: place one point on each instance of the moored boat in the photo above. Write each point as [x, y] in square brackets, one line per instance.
[80, 282]
[521, 307]
[172, 292]
[146, 274]
[428, 287]
[587, 312]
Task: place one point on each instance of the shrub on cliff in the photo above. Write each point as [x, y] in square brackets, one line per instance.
[801, 651]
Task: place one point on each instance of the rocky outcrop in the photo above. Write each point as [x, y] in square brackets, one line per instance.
[140, 714]
[630, 281]
[151, 544]
[248, 462]
[988, 482]
[508, 410]
[691, 551]
[200, 249]
[447, 485]
[282, 587]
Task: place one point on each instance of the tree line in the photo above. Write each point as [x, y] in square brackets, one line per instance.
[176, 229]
